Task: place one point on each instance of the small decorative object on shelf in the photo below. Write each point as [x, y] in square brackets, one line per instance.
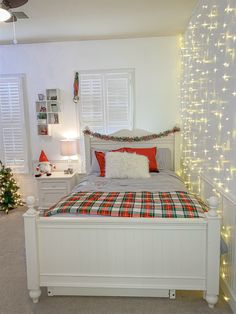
[44, 166]
[52, 94]
[41, 106]
[42, 118]
[43, 130]
[10, 198]
[48, 109]
[69, 171]
[41, 97]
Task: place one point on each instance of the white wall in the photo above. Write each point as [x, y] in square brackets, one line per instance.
[50, 65]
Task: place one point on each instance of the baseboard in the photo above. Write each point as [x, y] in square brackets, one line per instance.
[229, 294]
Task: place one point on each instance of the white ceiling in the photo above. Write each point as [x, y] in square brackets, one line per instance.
[61, 20]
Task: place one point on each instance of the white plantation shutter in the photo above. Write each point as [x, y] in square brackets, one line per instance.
[92, 113]
[12, 124]
[118, 102]
[106, 102]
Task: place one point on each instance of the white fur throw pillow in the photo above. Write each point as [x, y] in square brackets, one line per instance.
[125, 165]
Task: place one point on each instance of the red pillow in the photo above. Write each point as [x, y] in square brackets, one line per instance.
[150, 153]
[102, 161]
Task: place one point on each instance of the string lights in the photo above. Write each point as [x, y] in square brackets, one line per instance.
[208, 95]
[208, 102]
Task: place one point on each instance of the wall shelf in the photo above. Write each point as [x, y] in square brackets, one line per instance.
[48, 111]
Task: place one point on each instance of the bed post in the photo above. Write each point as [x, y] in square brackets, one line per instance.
[31, 247]
[176, 157]
[87, 145]
[213, 253]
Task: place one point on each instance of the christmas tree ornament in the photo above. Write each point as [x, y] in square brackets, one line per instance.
[10, 198]
[76, 88]
[44, 166]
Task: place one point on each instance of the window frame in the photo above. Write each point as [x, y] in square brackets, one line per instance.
[129, 71]
[27, 169]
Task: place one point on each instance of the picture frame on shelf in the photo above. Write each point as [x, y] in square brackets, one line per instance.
[56, 118]
[53, 118]
[53, 107]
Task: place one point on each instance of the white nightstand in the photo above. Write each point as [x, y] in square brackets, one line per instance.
[51, 189]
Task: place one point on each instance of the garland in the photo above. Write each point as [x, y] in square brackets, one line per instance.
[130, 139]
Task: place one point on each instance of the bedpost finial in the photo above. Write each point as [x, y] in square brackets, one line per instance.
[213, 203]
[30, 201]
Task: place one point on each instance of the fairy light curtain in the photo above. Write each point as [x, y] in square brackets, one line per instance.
[208, 94]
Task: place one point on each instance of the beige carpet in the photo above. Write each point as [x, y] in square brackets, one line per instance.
[14, 296]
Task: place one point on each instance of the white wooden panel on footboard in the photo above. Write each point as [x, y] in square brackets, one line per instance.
[122, 255]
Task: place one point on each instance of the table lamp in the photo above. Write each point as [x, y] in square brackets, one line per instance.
[68, 148]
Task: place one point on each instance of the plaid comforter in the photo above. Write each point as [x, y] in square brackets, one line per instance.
[131, 204]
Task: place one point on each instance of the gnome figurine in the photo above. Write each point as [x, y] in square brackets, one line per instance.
[44, 166]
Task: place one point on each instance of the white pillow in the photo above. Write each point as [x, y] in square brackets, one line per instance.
[125, 165]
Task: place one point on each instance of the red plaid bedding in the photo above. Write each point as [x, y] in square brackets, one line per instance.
[131, 204]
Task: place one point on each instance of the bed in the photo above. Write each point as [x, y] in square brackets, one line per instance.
[116, 255]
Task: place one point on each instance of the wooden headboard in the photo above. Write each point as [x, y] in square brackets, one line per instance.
[171, 142]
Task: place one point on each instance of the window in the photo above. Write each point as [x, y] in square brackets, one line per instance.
[106, 102]
[13, 141]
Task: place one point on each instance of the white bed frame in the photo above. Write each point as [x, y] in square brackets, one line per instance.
[123, 256]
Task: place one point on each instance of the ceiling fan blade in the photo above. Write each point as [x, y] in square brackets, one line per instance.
[20, 15]
[14, 3]
[12, 19]
[17, 16]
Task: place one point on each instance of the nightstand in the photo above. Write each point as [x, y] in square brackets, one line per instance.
[51, 189]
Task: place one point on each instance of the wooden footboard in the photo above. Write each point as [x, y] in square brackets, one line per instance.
[122, 256]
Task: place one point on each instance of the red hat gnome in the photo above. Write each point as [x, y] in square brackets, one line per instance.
[44, 166]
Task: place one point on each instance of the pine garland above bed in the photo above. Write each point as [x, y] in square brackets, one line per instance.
[130, 139]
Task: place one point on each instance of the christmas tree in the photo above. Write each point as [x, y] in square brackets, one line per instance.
[9, 196]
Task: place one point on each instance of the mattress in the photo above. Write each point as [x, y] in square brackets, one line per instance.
[165, 180]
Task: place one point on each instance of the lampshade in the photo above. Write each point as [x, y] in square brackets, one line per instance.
[4, 15]
[68, 147]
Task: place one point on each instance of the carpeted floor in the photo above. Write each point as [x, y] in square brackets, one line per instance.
[14, 296]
